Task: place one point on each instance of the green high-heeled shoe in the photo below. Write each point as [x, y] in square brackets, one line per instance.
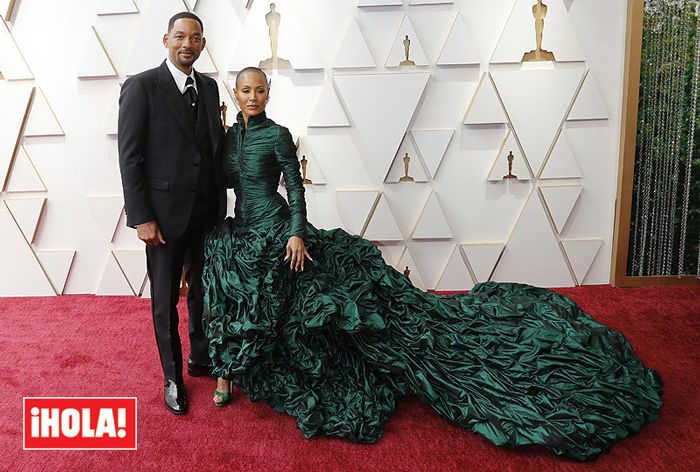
[225, 396]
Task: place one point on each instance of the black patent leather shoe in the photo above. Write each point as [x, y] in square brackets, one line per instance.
[198, 370]
[175, 397]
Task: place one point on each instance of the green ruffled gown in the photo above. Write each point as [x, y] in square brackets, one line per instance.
[336, 345]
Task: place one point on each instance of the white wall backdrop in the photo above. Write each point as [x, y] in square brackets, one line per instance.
[466, 104]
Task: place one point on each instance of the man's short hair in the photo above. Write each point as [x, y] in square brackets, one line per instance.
[181, 15]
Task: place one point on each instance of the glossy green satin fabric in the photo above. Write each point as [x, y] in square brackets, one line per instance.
[336, 345]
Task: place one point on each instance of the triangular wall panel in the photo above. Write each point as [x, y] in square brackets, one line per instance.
[499, 169]
[355, 208]
[459, 49]
[415, 165]
[314, 173]
[57, 265]
[537, 101]
[26, 277]
[113, 280]
[485, 107]
[432, 145]
[42, 120]
[205, 64]
[589, 104]
[382, 128]
[518, 36]
[12, 63]
[533, 254]
[382, 224]
[26, 212]
[294, 44]
[107, 210]
[397, 53]
[15, 107]
[133, 265]
[431, 257]
[482, 258]
[94, 60]
[407, 261]
[560, 201]
[581, 254]
[455, 276]
[353, 51]
[432, 223]
[24, 176]
[562, 162]
[328, 111]
[391, 251]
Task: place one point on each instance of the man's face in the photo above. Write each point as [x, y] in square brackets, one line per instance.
[185, 43]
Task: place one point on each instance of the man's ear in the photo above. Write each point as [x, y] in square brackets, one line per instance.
[204, 42]
[165, 39]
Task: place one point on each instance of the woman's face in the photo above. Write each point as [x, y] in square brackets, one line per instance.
[251, 93]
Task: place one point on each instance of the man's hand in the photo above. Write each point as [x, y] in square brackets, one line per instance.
[297, 252]
[150, 233]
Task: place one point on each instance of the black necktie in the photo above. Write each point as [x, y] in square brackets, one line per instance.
[191, 93]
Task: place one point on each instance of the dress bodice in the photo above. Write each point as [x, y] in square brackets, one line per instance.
[255, 158]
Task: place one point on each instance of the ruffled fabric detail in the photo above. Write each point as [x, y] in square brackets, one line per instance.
[336, 345]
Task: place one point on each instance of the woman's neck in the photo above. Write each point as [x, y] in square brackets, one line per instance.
[248, 119]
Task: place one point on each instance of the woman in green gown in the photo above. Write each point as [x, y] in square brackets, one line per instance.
[317, 325]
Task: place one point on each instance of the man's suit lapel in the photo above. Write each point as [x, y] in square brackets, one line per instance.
[212, 110]
[173, 98]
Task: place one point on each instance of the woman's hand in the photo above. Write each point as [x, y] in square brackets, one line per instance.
[296, 251]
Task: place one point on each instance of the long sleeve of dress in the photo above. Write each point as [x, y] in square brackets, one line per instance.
[285, 153]
[232, 172]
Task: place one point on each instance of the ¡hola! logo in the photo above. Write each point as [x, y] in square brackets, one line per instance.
[79, 422]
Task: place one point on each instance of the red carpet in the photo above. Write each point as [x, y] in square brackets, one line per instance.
[104, 346]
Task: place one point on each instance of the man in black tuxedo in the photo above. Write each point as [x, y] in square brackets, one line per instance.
[169, 139]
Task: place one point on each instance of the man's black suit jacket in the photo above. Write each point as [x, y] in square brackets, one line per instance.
[159, 157]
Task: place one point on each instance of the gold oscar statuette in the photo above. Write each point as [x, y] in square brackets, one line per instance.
[407, 273]
[406, 177]
[273, 19]
[304, 163]
[539, 11]
[406, 48]
[222, 110]
[510, 167]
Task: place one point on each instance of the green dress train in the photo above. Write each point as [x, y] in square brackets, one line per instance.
[336, 345]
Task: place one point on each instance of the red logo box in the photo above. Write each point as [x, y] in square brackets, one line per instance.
[79, 423]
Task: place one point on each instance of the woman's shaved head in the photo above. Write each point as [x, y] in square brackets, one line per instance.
[251, 70]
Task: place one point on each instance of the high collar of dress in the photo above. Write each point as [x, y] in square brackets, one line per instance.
[253, 121]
